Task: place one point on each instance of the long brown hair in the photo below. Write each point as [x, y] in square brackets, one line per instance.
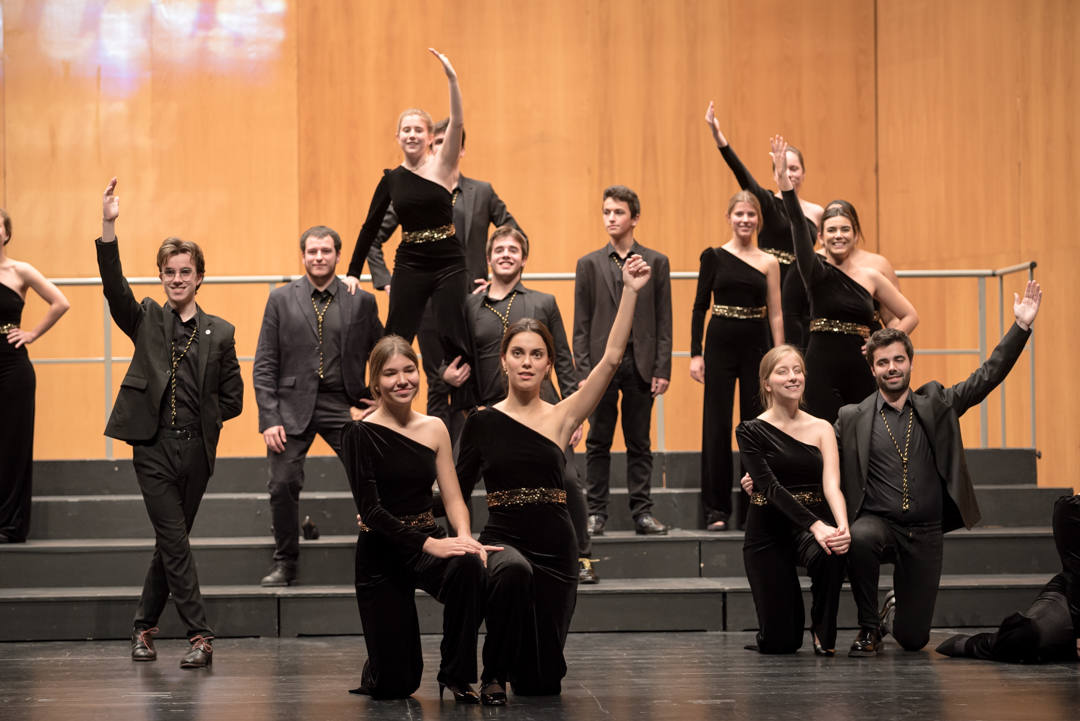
[530, 325]
[768, 364]
[387, 347]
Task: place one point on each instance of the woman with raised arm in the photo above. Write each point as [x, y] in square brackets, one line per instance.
[842, 296]
[392, 457]
[797, 512]
[430, 259]
[17, 384]
[517, 446]
[739, 285]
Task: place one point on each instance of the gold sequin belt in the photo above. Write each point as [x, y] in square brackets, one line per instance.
[804, 497]
[420, 520]
[825, 325]
[781, 255]
[740, 312]
[7, 328]
[429, 235]
[525, 497]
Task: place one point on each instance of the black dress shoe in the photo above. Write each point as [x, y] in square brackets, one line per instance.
[595, 525]
[888, 613]
[493, 693]
[281, 574]
[142, 644]
[201, 654]
[462, 692]
[586, 572]
[647, 525]
[867, 643]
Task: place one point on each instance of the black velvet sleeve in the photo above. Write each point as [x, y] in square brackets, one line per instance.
[809, 264]
[702, 300]
[380, 202]
[469, 458]
[752, 447]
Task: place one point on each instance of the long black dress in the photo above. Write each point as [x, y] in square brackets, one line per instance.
[774, 237]
[17, 385]
[787, 500]
[734, 293]
[842, 316]
[391, 476]
[533, 582]
[430, 259]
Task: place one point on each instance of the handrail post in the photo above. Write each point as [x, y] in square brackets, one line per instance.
[1001, 334]
[1031, 369]
[984, 412]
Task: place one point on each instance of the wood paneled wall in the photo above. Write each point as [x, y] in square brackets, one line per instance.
[240, 126]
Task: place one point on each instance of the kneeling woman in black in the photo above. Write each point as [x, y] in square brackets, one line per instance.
[797, 513]
[391, 458]
[517, 446]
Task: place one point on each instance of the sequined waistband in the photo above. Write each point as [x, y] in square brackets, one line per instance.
[7, 328]
[804, 497]
[428, 235]
[740, 312]
[525, 497]
[781, 255]
[420, 520]
[825, 325]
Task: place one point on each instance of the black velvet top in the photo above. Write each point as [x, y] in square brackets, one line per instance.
[727, 280]
[780, 466]
[11, 306]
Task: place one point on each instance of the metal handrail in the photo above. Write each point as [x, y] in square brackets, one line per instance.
[981, 275]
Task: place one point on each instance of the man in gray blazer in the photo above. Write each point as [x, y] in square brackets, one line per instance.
[476, 208]
[309, 379]
[905, 478]
[645, 370]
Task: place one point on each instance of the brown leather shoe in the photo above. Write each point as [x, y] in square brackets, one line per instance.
[201, 654]
[867, 643]
[142, 644]
[647, 525]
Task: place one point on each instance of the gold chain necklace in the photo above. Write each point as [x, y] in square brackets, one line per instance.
[905, 497]
[319, 315]
[504, 317]
[615, 259]
[176, 364]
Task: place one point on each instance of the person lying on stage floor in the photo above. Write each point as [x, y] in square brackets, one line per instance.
[905, 478]
[1049, 630]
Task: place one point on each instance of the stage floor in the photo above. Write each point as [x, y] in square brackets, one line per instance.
[684, 676]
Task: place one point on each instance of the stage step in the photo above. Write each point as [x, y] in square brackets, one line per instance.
[676, 604]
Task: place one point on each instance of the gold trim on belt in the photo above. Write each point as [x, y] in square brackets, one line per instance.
[781, 255]
[804, 497]
[740, 312]
[7, 328]
[429, 235]
[420, 520]
[826, 325]
[525, 497]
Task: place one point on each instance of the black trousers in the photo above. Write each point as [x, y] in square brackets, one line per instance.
[916, 552]
[637, 402]
[17, 386]
[172, 475]
[576, 503]
[431, 352]
[287, 471]
[387, 577]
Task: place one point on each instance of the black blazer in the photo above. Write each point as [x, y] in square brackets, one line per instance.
[286, 369]
[939, 410]
[135, 414]
[477, 207]
[595, 305]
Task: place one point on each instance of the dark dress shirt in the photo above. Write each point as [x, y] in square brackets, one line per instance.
[332, 381]
[885, 472]
[488, 335]
[187, 375]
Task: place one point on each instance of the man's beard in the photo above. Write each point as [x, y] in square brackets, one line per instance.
[881, 383]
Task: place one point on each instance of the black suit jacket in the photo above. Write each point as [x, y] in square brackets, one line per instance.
[286, 370]
[136, 412]
[596, 301]
[477, 207]
[939, 409]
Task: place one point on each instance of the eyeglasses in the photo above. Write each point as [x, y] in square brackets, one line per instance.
[184, 273]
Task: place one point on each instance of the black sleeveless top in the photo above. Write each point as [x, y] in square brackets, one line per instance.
[11, 306]
[727, 280]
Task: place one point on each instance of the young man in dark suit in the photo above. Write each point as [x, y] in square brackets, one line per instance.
[905, 478]
[309, 376]
[183, 383]
[646, 365]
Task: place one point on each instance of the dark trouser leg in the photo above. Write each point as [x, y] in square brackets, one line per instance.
[286, 480]
[598, 449]
[385, 596]
[448, 302]
[172, 476]
[17, 383]
[576, 504]
[749, 407]
[871, 543]
[637, 402]
[716, 462]
[774, 583]
[1066, 523]
[411, 291]
[826, 578]
[915, 581]
[541, 674]
[329, 419]
[796, 306]
[511, 619]
[460, 584]
[431, 351]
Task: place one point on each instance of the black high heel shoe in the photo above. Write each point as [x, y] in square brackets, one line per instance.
[462, 694]
[493, 693]
[819, 650]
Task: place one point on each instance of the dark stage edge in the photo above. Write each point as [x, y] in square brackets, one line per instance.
[654, 677]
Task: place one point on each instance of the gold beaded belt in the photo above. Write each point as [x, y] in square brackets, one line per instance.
[429, 235]
[804, 497]
[781, 255]
[420, 520]
[525, 497]
[825, 325]
[740, 312]
[7, 328]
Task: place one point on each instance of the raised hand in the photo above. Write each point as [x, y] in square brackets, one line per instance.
[635, 273]
[779, 161]
[450, 73]
[714, 126]
[1025, 309]
[110, 204]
